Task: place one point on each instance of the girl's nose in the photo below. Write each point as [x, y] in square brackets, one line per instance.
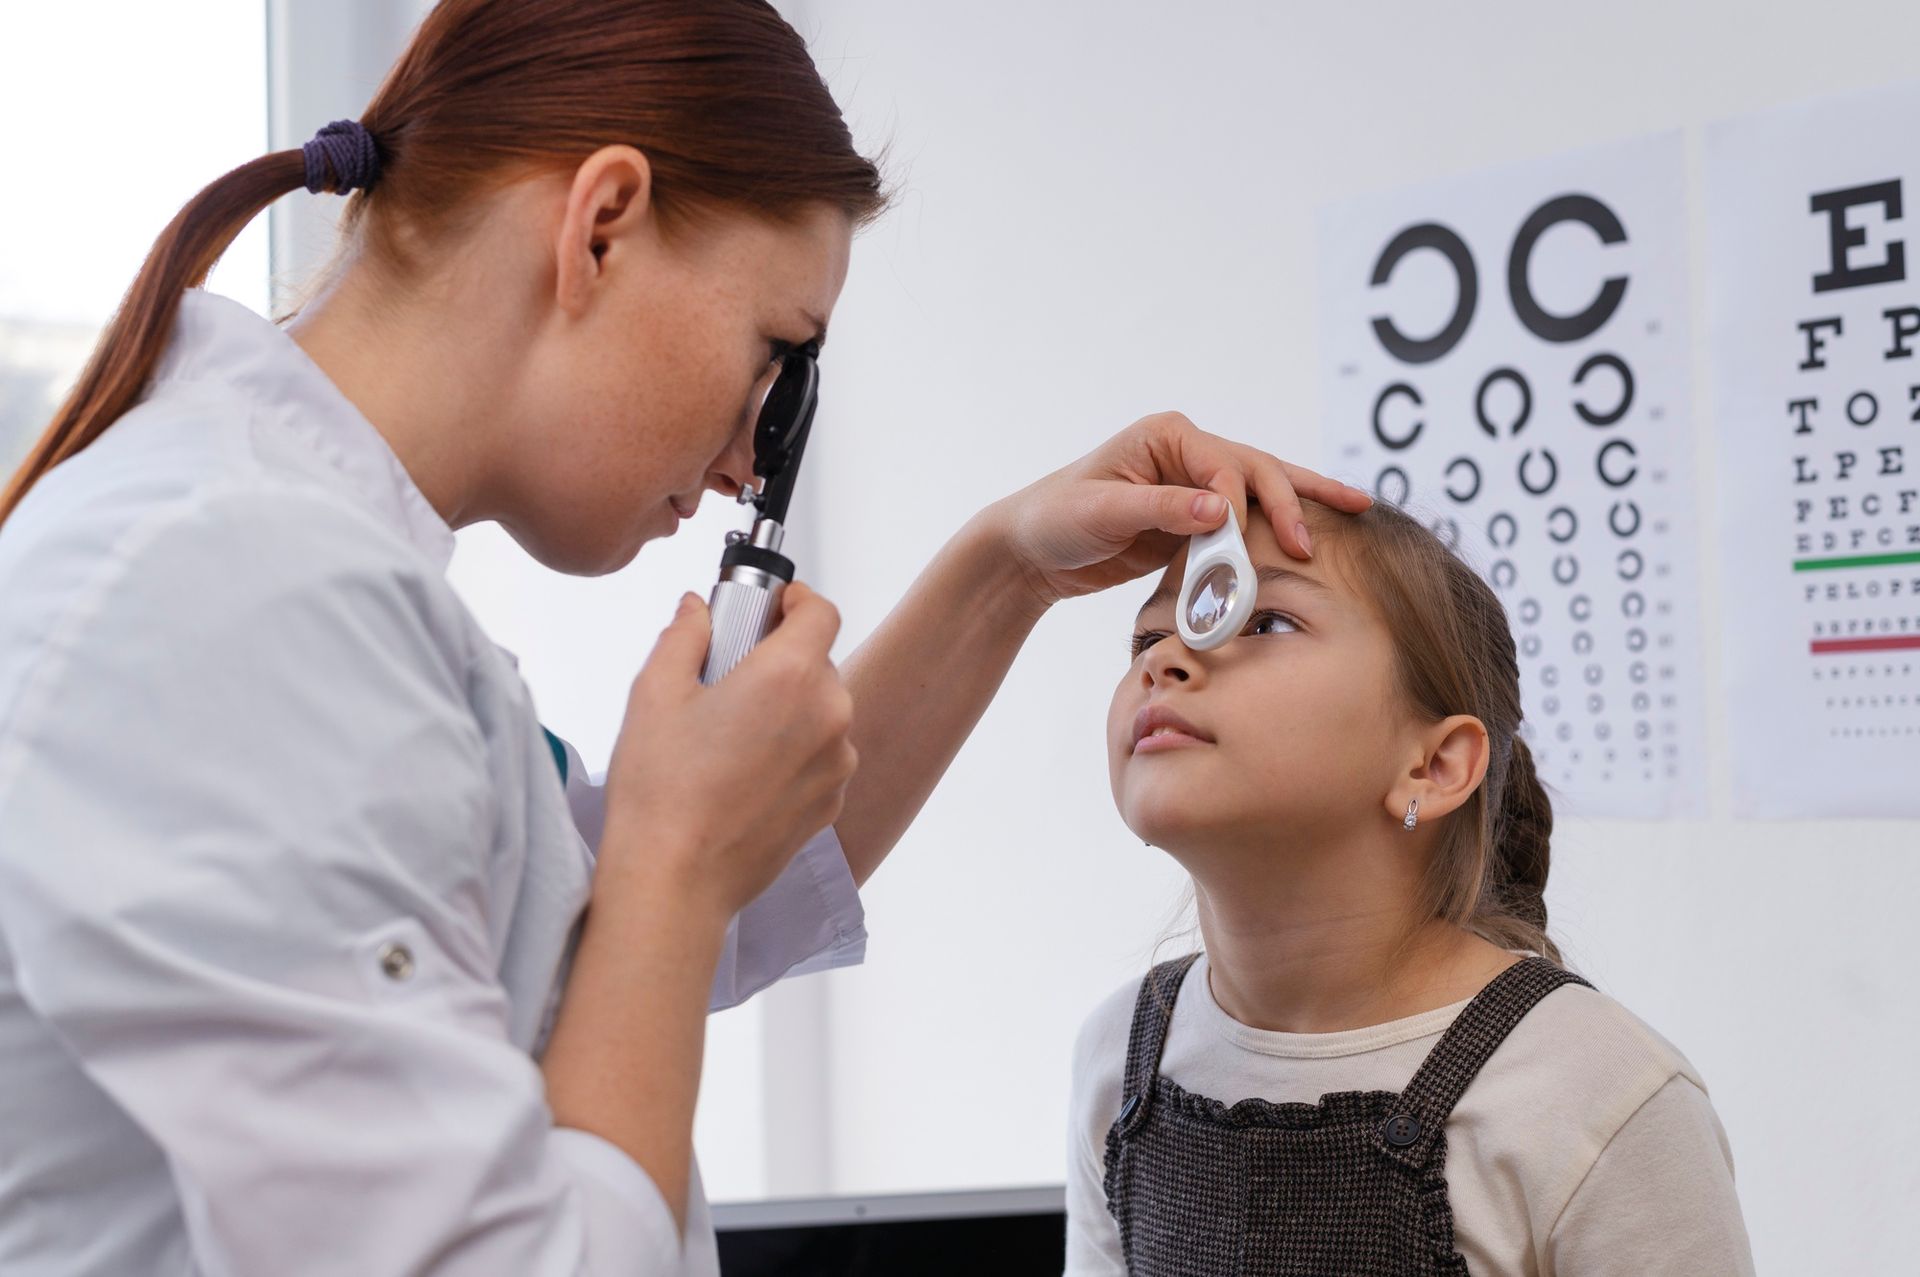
[1170, 661]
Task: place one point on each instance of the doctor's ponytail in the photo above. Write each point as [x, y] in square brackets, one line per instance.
[720, 95]
[132, 341]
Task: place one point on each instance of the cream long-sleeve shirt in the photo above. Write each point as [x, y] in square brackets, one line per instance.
[288, 876]
[1585, 1147]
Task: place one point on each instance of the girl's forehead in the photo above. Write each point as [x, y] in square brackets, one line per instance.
[1331, 562]
[1263, 548]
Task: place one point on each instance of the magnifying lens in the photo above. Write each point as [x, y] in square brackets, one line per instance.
[753, 573]
[1218, 592]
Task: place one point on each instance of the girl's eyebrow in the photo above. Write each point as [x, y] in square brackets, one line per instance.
[1266, 572]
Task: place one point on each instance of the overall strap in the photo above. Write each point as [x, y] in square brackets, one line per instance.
[1468, 1044]
[1152, 1014]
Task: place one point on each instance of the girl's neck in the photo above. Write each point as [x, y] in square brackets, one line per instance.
[1316, 943]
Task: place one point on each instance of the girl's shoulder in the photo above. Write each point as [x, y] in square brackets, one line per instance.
[1100, 1047]
[1107, 1023]
[1100, 1055]
[1588, 1038]
[1594, 1127]
[1576, 1071]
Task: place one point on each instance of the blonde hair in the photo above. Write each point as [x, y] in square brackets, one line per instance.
[1454, 654]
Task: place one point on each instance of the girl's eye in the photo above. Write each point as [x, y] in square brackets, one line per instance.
[1147, 638]
[1254, 623]
[1144, 640]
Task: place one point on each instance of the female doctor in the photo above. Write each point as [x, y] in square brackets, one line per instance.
[291, 881]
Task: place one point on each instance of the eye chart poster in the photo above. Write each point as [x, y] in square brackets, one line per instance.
[1814, 320]
[1505, 354]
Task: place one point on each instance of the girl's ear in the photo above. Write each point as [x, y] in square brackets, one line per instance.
[1450, 765]
[608, 202]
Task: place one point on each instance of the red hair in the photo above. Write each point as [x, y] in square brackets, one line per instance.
[720, 95]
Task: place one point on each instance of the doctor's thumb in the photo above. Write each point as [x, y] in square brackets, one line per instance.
[683, 644]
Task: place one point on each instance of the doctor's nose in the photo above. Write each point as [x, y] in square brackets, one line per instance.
[733, 469]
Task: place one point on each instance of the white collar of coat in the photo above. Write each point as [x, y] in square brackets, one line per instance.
[216, 339]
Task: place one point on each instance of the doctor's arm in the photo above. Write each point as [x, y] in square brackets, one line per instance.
[923, 678]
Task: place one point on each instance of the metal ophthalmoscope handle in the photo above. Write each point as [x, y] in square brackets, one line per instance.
[746, 599]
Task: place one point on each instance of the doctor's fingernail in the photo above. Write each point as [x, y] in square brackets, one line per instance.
[1208, 506]
[1306, 542]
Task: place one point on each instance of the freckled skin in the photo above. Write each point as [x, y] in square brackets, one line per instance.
[657, 396]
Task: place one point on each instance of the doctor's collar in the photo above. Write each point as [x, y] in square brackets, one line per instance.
[220, 341]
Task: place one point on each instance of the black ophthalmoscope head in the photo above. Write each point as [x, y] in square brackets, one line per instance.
[746, 600]
[780, 436]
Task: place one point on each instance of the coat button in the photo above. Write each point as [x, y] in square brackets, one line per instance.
[1402, 1130]
[1127, 1109]
[397, 961]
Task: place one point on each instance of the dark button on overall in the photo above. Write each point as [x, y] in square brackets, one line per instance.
[1347, 1187]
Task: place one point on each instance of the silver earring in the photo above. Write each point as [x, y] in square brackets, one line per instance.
[1413, 814]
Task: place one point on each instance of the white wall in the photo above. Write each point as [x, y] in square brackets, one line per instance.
[85, 127]
[323, 62]
[1108, 209]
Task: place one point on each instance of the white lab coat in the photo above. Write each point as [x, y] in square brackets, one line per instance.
[288, 877]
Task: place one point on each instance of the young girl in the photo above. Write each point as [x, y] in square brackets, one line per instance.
[1377, 1064]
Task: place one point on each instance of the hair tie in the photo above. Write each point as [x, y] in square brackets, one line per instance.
[346, 148]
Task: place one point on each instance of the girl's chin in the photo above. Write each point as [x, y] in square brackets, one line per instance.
[1172, 815]
[1164, 827]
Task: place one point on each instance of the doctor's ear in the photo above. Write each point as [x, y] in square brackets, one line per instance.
[1449, 762]
[609, 201]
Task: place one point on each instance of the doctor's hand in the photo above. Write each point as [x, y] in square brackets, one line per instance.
[1124, 509]
[711, 792]
[717, 788]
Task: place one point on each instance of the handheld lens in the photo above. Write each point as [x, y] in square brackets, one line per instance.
[1217, 594]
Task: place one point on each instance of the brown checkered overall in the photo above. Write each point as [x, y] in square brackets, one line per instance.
[1354, 1186]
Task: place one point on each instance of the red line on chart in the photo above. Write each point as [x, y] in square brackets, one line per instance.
[1895, 643]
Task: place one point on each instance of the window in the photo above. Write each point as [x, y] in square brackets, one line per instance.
[125, 109]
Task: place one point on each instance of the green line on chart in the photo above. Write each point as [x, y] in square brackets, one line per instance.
[1857, 561]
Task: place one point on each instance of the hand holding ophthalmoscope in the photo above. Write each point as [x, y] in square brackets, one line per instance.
[718, 787]
[734, 773]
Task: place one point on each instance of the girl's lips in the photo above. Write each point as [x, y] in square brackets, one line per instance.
[1165, 741]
